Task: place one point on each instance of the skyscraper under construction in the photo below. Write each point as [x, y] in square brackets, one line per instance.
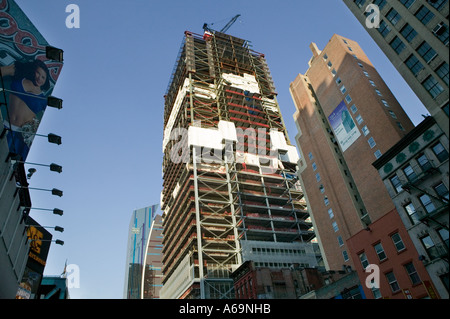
[230, 189]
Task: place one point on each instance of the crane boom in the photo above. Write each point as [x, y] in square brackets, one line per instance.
[229, 24]
[225, 28]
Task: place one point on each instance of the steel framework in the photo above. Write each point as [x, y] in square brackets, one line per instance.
[211, 206]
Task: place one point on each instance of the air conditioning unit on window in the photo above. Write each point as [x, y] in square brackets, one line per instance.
[440, 29]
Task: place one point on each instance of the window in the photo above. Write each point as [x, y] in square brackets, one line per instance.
[359, 119]
[360, 3]
[408, 32]
[380, 252]
[392, 281]
[412, 273]
[353, 108]
[310, 155]
[441, 32]
[326, 200]
[377, 154]
[424, 15]
[366, 74]
[411, 211]
[338, 81]
[423, 161]
[325, 57]
[385, 103]
[371, 142]
[427, 203]
[432, 86]
[407, 3]
[440, 152]
[380, 3]
[414, 64]
[378, 92]
[393, 115]
[430, 247]
[398, 242]
[365, 130]
[400, 126]
[343, 89]
[345, 255]
[426, 52]
[333, 72]
[441, 190]
[348, 99]
[395, 181]
[409, 172]
[335, 226]
[442, 72]
[393, 16]
[364, 261]
[318, 177]
[322, 189]
[372, 83]
[340, 241]
[330, 213]
[329, 64]
[437, 4]
[397, 44]
[314, 166]
[443, 233]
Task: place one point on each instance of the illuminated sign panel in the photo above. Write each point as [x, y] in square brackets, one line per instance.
[27, 77]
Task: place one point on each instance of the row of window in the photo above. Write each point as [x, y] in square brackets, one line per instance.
[263, 250]
[433, 87]
[390, 276]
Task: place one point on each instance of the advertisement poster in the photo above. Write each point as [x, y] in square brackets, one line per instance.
[343, 126]
[27, 77]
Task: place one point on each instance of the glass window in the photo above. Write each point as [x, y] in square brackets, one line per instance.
[393, 114]
[424, 15]
[365, 130]
[392, 281]
[364, 261]
[398, 45]
[432, 86]
[330, 213]
[340, 241]
[385, 103]
[314, 166]
[409, 172]
[318, 177]
[353, 108]
[359, 119]
[443, 233]
[380, 3]
[348, 99]
[377, 154]
[408, 32]
[430, 247]
[427, 203]
[343, 89]
[326, 201]
[442, 72]
[437, 4]
[412, 273]
[380, 252]
[345, 254]
[335, 226]
[411, 211]
[360, 3]
[393, 16]
[423, 161]
[440, 152]
[441, 190]
[414, 64]
[395, 181]
[426, 52]
[398, 242]
[338, 81]
[441, 32]
[407, 3]
[371, 142]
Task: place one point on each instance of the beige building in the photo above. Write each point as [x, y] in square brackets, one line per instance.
[414, 35]
[347, 118]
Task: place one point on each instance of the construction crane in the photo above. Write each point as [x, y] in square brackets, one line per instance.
[225, 28]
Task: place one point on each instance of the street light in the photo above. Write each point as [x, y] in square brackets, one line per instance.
[55, 211]
[57, 228]
[54, 102]
[57, 241]
[53, 53]
[54, 191]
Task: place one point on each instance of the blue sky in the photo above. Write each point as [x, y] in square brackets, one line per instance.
[116, 70]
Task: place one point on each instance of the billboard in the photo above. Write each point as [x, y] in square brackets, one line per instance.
[343, 126]
[27, 77]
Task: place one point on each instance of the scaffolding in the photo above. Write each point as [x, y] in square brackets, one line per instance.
[227, 184]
